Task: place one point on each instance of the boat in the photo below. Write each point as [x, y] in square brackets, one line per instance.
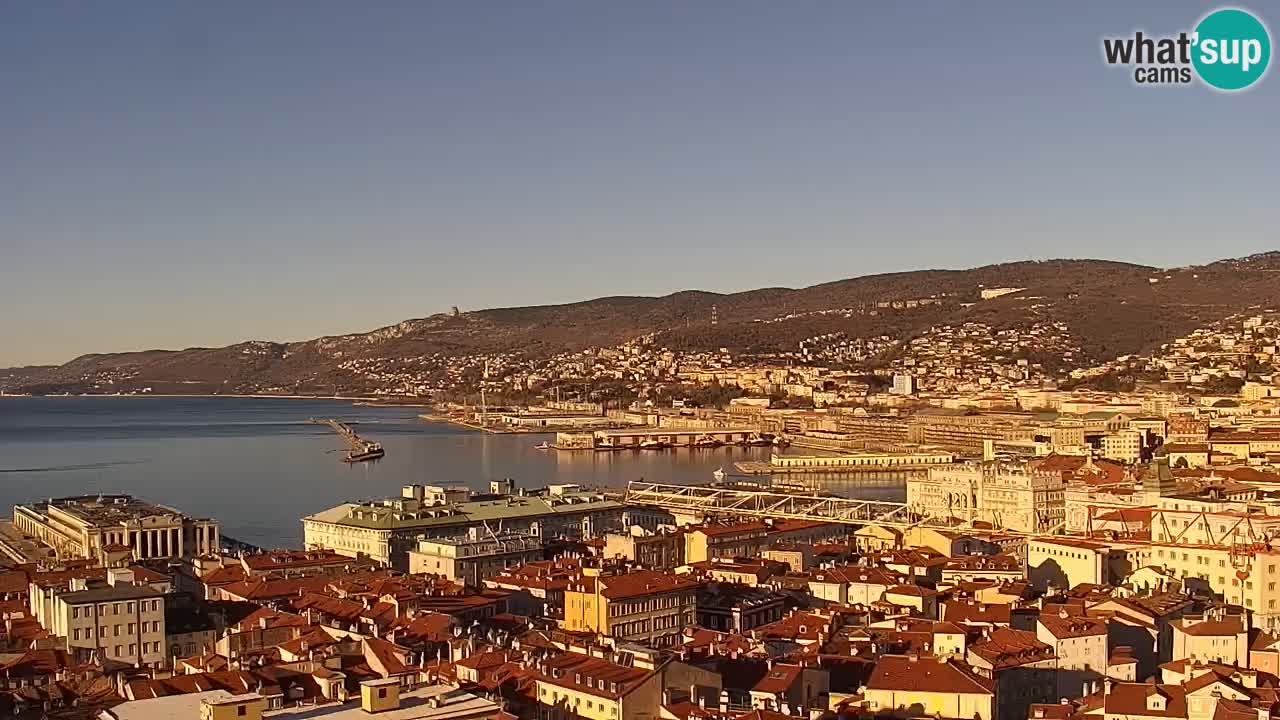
[707, 442]
[368, 451]
[719, 474]
[654, 445]
[544, 445]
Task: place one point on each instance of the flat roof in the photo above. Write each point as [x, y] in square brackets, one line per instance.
[378, 516]
[451, 704]
[168, 707]
[107, 594]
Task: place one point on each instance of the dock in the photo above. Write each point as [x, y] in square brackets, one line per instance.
[358, 448]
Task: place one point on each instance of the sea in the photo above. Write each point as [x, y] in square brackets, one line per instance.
[258, 466]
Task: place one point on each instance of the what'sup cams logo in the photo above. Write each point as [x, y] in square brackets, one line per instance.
[1229, 49]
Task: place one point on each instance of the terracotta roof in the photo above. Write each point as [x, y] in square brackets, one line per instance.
[779, 679]
[1006, 648]
[970, 612]
[927, 674]
[1229, 625]
[643, 582]
[1131, 699]
[587, 674]
[1072, 626]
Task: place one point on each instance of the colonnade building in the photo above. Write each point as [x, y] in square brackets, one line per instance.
[114, 529]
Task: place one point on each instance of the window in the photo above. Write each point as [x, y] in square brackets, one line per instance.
[132, 628]
[75, 613]
[75, 635]
[128, 607]
[243, 710]
[382, 692]
[117, 629]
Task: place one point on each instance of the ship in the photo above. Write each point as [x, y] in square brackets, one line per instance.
[707, 442]
[654, 445]
[544, 445]
[367, 451]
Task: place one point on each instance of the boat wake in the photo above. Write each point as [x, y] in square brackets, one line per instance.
[73, 468]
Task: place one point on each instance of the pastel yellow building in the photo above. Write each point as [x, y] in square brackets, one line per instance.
[232, 707]
[639, 606]
[927, 686]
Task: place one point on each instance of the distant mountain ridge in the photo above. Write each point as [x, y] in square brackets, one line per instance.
[1112, 308]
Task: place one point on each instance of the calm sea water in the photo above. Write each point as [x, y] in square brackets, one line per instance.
[258, 467]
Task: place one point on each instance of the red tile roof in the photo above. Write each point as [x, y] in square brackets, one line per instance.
[927, 674]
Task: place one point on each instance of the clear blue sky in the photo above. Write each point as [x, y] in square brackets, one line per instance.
[199, 173]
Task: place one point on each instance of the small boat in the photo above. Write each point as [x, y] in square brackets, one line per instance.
[654, 445]
[369, 451]
[544, 445]
[707, 442]
[719, 474]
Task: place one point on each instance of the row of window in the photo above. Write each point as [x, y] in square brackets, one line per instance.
[147, 647]
[114, 608]
[152, 626]
[551, 698]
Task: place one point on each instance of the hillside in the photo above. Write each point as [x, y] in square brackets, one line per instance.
[1110, 309]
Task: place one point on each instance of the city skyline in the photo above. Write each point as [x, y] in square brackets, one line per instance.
[200, 176]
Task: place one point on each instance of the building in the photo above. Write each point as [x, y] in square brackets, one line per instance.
[1065, 562]
[1217, 636]
[1080, 644]
[930, 686]
[736, 608]
[639, 606]
[474, 558]
[386, 530]
[119, 619]
[728, 541]
[903, 384]
[1011, 496]
[654, 550]
[114, 529]
[1124, 446]
[382, 698]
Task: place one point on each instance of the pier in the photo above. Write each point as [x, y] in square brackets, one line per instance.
[358, 448]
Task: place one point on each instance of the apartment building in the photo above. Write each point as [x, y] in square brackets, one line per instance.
[120, 619]
[639, 606]
[474, 558]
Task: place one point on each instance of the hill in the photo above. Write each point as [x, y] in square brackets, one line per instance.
[1109, 308]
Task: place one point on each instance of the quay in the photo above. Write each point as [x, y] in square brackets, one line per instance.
[846, 463]
[643, 438]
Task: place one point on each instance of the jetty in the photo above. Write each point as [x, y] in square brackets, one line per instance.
[358, 449]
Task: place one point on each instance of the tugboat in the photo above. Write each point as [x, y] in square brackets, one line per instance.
[367, 451]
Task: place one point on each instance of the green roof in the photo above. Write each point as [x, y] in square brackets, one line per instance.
[376, 516]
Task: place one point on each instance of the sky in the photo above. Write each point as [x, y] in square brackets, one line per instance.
[177, 174]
